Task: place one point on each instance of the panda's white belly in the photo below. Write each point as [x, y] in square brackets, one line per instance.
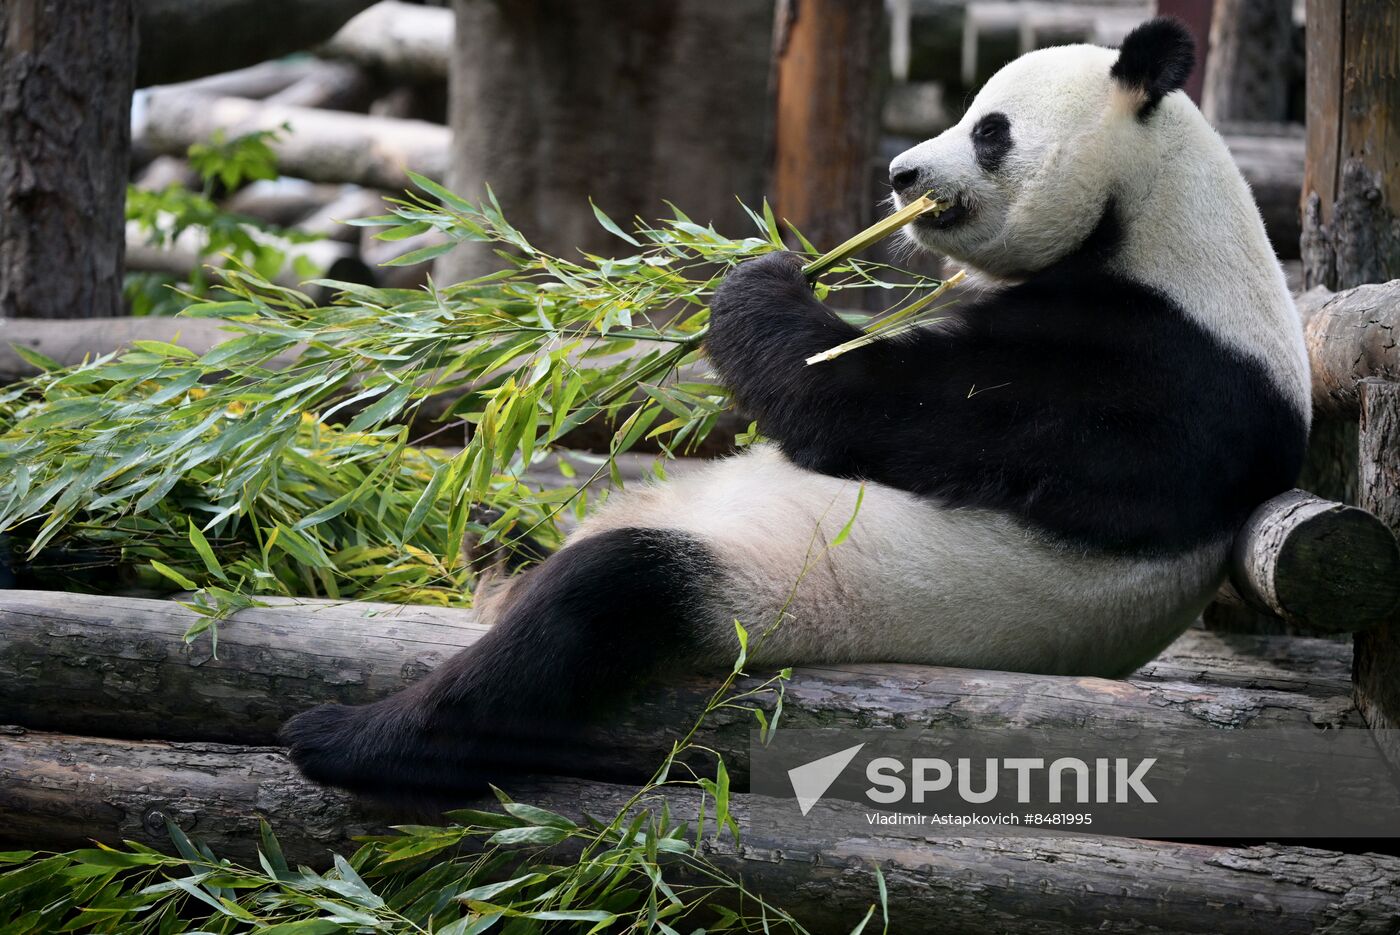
[912, 582]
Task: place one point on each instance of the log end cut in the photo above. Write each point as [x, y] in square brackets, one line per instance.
[1315, 562]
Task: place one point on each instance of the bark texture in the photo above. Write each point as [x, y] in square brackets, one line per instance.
[66, 72]
[1251, 61]
[120, 667]
[1377, 672]
[61, 791]
[322, 146]
[627, 102]
[829, 68]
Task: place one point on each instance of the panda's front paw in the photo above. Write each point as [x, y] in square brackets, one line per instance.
[771, 278]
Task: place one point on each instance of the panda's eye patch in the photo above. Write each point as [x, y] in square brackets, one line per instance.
[991, 140]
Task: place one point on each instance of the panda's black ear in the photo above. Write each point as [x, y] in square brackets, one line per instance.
[1155, 60]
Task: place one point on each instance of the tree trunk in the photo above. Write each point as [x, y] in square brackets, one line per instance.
[121, 667]
[58, 791]
[1377, 667]
[1251, 61]
[627, 102]
[829, 72]
[66, 73]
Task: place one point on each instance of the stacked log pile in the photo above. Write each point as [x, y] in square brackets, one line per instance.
[123, 671]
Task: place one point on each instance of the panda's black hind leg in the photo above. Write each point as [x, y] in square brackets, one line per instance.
[586, 626]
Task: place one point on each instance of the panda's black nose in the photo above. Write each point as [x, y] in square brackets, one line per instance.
[903, 179]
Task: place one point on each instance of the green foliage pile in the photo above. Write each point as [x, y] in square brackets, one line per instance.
[223, 471]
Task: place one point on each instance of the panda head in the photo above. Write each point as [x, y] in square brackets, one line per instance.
[1046, 145]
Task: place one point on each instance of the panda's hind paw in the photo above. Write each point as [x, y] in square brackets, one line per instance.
[322, 745]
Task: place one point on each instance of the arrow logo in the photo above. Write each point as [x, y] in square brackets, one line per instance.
[811, 780]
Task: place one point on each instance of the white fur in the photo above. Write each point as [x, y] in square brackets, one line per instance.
[913, 582]
[918, 583]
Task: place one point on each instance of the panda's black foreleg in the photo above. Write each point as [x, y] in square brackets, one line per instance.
[854, 416]
[593, 620]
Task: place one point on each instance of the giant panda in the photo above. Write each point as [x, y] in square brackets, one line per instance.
[1045, 480]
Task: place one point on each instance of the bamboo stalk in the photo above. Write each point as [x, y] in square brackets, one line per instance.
[875, 233]
[889, 326]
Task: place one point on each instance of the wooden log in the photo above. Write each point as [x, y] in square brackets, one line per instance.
[120, 667]
[333, 85]
[61, 791]
[1310, 665]
[1315, 562]
[182, 257]
[254, 82]
[401, 40]
[1351, 335]
[1377, 668]
[329, 219]
[183, 39]
[322, 146]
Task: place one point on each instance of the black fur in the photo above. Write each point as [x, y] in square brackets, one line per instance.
[991, 140]
[587, 625]
[1156, 57]
[1089, 406]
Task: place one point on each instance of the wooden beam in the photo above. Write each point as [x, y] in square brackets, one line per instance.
[121, 667]
[63, 791]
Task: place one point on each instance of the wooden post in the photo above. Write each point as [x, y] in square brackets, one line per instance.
[67, 69]
[1351, 236]
[1376, 672]
[1351, 183]
[828, 66]
[1251, 61]
[1351, 186]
